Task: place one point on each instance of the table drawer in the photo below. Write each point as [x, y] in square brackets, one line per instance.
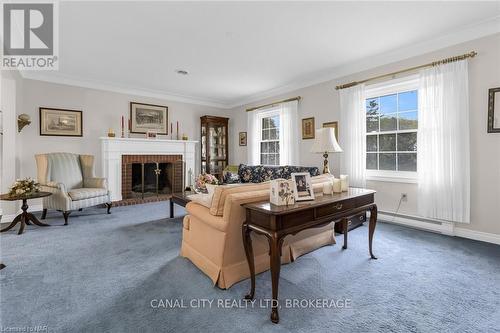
[335, 208]
[352, 223]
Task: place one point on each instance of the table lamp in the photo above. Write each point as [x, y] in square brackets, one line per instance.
[324, 143]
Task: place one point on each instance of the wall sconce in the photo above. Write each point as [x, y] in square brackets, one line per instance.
[23, 120]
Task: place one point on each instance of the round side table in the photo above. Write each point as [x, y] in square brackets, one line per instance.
[25, 217]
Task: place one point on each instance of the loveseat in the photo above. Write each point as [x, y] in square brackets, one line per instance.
[212, 239]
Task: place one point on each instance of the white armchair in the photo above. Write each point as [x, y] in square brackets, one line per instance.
[70, 178]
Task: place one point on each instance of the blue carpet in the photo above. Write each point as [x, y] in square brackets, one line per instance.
[101, 273]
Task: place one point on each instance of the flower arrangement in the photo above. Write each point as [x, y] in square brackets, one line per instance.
[25, 186]
[203, 179]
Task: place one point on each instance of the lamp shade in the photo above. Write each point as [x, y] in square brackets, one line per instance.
[325, 141]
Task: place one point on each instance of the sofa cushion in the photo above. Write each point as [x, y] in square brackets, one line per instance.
[261, 173]
[86, 193]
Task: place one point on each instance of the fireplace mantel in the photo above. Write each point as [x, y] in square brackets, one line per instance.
[112, 150]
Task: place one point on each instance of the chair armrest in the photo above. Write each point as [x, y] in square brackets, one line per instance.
[95, 183]
[54, 187]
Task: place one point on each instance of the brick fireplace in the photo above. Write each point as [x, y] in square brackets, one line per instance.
[147, 178]
[171, 159]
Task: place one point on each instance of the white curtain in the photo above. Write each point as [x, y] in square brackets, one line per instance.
[353, 134]
[289, 133]
[253, 150]
[443, 143]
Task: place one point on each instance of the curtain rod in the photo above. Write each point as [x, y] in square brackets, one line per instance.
[471, 54]
[274, 103]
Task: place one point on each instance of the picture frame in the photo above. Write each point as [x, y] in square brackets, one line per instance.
[308, 129]
[335, 126]
[148, 117]
[243, 139]
[303, 189]
[494, 110]
[60, 122]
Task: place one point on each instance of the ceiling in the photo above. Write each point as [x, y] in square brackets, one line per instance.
[237, 52]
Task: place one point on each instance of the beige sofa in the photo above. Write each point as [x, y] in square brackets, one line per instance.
[212, 238]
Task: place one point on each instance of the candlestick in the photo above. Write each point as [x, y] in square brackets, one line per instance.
[177, 130]
[129, 126]
[171, 130]
[123, 130]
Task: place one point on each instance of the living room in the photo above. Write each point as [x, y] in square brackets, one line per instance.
[223, 166]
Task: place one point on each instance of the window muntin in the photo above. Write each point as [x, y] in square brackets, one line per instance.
[391, 131]
[270, 139]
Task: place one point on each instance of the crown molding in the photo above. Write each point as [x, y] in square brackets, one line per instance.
[71, 81]
[477, 30]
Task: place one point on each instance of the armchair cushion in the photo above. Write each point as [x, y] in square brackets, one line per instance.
[86, 193]
[65, 168]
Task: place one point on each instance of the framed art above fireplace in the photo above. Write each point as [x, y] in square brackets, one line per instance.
[148, 117]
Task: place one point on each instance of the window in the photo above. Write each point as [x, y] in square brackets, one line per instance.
[391, 129]
[270, 138]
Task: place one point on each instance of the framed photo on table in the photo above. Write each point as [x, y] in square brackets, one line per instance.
[303, 186]
[60, 122]
[148, 117]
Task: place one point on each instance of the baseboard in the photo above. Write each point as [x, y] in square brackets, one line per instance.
[445, 228]
[10, 217]
[477, 235]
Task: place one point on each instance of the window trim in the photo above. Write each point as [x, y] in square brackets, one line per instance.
[408, 83]
[266, 114]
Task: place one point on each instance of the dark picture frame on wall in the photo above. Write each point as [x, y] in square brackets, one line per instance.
[243, 139]
[494, 110]
[308, 130]
[60, 122]
[148, 117]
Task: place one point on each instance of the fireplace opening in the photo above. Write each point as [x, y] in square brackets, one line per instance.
[151, 179]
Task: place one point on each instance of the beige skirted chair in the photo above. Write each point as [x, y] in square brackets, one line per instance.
[70, 178]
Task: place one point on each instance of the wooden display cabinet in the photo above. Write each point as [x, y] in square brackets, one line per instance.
[214, 145]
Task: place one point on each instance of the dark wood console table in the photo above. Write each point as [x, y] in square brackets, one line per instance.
[276, 222]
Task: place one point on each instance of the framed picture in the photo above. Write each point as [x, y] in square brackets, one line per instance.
[335, 126]
[303, 186]
[148, 117]
[494, 110]
[60, 122]
[243, 138]
[308, 128]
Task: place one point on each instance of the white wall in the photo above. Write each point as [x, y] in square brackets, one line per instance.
[101, 110]
[321, 101]
[11, 104]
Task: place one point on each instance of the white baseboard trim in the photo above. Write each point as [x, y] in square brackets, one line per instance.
[445, 228]
[477, 235]
[10, 217]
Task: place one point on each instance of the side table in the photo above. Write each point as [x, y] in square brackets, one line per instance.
[25, 217]
[179, 198]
